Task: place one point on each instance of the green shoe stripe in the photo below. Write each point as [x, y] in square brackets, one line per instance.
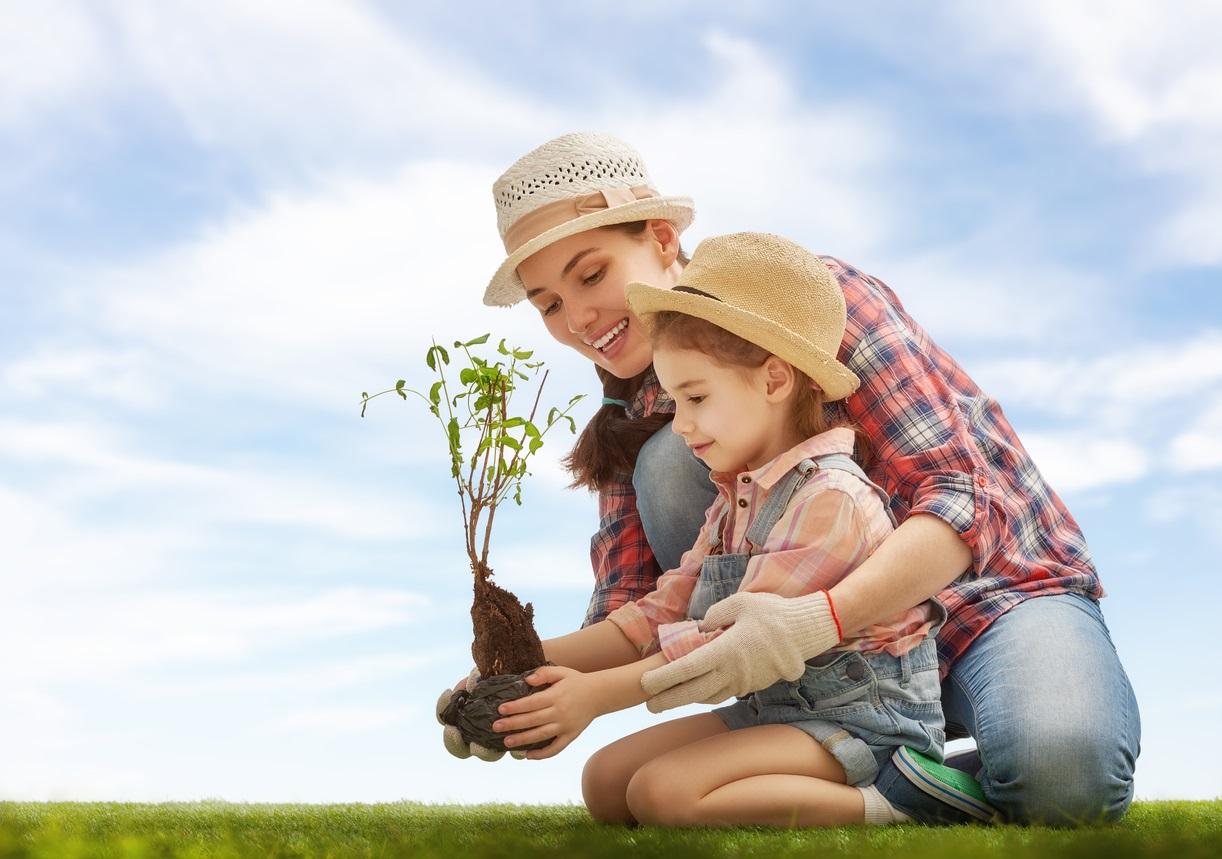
[955, 788]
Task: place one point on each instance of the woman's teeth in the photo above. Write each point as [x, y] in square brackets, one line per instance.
[606, 339]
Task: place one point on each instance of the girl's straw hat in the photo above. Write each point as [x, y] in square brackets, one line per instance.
[568, 185]
[767, 290]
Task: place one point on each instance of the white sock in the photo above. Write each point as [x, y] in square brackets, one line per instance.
[879, 812]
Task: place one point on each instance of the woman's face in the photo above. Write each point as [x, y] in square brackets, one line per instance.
[577, 286]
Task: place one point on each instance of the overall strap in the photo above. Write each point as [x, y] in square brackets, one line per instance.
[844, 462]
[778, 499]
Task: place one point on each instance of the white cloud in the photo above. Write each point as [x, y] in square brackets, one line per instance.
[99, 633]
[1077, 460]
[1199, 446]
[1115, 389]
[49, 52]
[93, 463]
[1146, 80]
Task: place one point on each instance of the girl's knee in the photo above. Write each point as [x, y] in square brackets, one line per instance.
[654, 796]
[604, 786]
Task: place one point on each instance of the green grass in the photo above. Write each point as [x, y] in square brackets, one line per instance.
[217, 829]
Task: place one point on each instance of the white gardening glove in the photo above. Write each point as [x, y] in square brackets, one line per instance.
[452, 738]
[770, 640]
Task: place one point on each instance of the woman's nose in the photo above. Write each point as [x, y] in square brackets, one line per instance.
[580, 317]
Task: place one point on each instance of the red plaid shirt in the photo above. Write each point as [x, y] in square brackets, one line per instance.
[942, 447]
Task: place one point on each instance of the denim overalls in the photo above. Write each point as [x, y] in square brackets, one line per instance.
[858, 706]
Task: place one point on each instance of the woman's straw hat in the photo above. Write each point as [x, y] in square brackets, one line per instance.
[767, 290]
[568, 185]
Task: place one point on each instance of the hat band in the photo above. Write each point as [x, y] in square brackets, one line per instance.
[552, 215]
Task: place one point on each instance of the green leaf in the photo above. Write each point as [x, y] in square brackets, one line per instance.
[572, 424]
[532, 430]
[522, 376]
[510, 441]
[551, 415]
[435, 394]
[517, 494]
[522, 354]
[513, 422]
[399, 388]
[430, 357]
[478, 341]
[500, 347]
[467, 375]
[576, 398]
[364, 402]
[535, 444]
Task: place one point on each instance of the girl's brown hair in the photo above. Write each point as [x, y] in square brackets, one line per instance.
[811, 413]
[608, 447]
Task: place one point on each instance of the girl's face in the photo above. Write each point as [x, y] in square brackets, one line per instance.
[577, 286]
[733, 418]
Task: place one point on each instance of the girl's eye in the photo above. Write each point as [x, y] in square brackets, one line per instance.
[594, 278]
[695, 399]
[550, 309]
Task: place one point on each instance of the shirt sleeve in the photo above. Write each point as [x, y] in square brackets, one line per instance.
[641, 619]
[907, 405]
[820, 538]
[624, 566]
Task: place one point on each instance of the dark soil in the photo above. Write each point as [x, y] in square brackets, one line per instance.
[505, 638]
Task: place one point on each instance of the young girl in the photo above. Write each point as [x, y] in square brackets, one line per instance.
[745, 343]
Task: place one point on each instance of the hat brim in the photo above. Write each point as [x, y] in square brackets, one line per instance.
[506, 288]
[836, 380]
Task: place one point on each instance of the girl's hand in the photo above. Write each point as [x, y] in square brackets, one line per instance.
[562, 711]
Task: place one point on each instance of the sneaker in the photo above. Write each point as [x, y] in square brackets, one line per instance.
[930, 792]
[967, 761]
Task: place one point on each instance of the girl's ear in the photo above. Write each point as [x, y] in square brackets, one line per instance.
[663, 232]
[779, 379]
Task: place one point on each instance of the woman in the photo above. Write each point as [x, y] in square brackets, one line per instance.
[1027, 664]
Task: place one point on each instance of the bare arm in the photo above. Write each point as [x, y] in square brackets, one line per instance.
[916, 561]
[593, 648]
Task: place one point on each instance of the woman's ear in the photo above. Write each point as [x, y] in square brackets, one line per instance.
[663, 232]
[779, 379]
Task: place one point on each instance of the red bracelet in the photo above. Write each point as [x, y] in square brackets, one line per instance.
[836, 620]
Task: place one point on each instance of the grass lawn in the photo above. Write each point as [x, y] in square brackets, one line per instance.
[218, 829]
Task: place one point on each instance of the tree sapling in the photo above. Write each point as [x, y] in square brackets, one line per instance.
[476, 418]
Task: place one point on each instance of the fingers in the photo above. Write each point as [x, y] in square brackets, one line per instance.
[451, 737]
[723, 613]
[534, 735]
[533, 719]
[442, 703]
[699, 690]
[683, 669]
[489, 755]
[550, 750]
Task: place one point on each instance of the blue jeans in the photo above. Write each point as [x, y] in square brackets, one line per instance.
[1041, 690]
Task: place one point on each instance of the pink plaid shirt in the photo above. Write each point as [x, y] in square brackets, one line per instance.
[833, 522]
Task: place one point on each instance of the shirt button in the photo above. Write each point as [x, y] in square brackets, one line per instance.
[746, 479]
[742, 502]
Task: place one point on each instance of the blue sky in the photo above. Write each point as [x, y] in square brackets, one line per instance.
[220, 222]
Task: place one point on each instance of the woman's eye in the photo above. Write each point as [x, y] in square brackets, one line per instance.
[695, 399]
[594, 278]
[551, 308]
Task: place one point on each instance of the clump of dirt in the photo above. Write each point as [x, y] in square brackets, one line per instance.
[505, 638]
[474, 712]
[506, 649]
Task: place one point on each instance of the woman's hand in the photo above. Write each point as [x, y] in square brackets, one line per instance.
[562, 711]
[769, 638]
